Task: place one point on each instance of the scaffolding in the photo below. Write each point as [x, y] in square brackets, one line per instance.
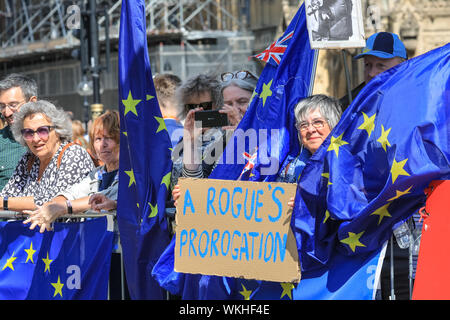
[30, 26]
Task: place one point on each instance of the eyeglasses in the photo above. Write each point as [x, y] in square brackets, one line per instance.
[205, 105]
[316, 123]
[243, 74]
[13, 105]
[43, 132]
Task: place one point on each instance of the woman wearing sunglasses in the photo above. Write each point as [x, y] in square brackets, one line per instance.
[101, 183]
[50, 165]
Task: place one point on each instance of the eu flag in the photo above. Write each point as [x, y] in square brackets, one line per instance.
[369, 175]
[267, 135]
[145, 163]
[71, 262]
[262, 141]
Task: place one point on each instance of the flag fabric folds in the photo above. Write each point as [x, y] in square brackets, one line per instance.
[145, 163]
[70, 263]
[389, 145]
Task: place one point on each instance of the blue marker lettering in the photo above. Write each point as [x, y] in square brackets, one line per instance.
[188, 202]
[203, 253]
[209, 201]
[222, 191]
[244, 246]
[226, 232]
[253, 235]
[235, 250]
[238, 206]
[213, 242]
[183, 235]
[278, 203]
[191, 241]
[267, 258]
[281, 246]
[258, 205]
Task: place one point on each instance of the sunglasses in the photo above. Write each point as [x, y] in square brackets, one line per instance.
[205, 105]
[242, 75]
[43, 132]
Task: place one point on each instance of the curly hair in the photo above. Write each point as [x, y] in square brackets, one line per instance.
[58, 118]
[197, 85]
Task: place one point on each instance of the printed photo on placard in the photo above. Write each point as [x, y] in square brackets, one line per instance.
[335, 23]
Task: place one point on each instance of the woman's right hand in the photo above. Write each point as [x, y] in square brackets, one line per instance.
[176, 193]
[291, 202]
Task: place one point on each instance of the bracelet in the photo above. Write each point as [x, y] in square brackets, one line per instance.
[69, 207]
[5, 203]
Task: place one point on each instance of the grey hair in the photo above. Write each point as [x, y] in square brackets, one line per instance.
[58, 118]
[27, 85]
[329, 108]
[247, 84]
[197, 85]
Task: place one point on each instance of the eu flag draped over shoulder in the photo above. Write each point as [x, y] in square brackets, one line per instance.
[369, 175]
[145, 164]
[69, 263]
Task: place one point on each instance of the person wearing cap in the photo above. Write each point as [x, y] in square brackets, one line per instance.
[383, 51]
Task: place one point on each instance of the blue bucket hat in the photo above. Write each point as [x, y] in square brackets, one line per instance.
[384, 45]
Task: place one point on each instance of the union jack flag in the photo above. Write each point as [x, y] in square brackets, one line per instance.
[250, 164]
[275, 51]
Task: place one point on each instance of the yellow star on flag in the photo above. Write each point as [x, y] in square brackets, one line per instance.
[368, 124]
[353, 240]
[30, 252]
[9, 263]
[245, 293]
[336, 143]
[47, 262]
[58, 287]
[327, 215]
[397, 169]
[383, 139]
[326, 175]
[154, 210]
[149, 97]
[162, 124]
[166, 179]
[266, 92]
[399, 193]
[381, 212]
[287, 289]
[132, 179]
[254, 94]
[130, 104]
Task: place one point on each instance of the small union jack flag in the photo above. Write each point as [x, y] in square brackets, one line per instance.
[250, 164]
[275, 51]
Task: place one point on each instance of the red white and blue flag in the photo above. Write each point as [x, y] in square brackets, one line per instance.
[275, 51]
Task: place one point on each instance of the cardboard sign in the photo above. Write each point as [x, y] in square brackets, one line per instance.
[237, 229]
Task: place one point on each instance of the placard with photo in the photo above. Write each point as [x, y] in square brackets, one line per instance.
[335, 24]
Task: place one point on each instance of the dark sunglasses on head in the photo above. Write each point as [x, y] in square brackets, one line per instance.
[243, 74]
[42, 132]
[205, 105]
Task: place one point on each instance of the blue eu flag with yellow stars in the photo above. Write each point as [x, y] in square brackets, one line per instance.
[269, 125]
[72, 262]
[145, 163]
[369, 175]
[267, 133]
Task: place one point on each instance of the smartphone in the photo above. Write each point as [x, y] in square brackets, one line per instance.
[211, 118]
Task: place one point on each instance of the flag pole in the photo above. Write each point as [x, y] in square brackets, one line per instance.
[313, 73]
[347, 76]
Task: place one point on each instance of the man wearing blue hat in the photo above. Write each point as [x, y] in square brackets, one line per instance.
[383, 51]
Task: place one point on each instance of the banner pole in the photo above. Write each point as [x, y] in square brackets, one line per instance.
[347, 76]
[313, 73]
